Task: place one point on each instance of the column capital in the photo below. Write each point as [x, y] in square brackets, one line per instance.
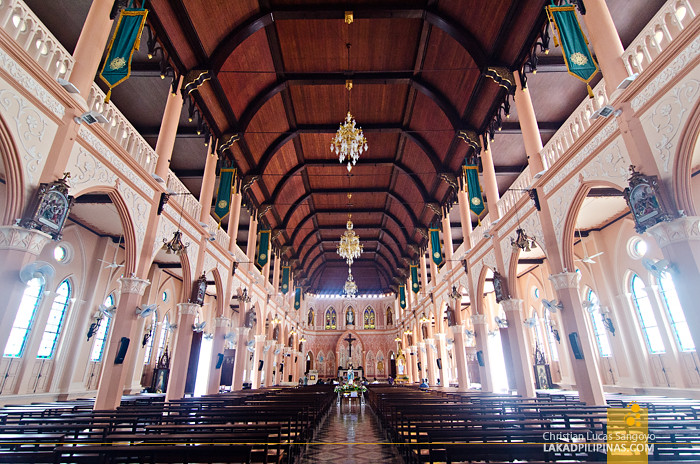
[457, 329]
[565, 280]
[439, 336]
[242, 331]
[21, 239]
[512, 304]
[133, 285]
[188, 308]
[259, 338]
[682, 229]
[478, 319]
[222, 321]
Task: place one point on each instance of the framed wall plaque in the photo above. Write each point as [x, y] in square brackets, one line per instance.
[646, 201]
[49, 208]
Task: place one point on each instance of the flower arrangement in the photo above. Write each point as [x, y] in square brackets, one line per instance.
[347, 389]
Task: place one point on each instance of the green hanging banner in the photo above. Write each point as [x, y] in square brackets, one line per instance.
[263, 248]
[577, 56]
[125, 41]
[415, 284]
[227, 179]
[471, 180]
[402, 296]
[435, 248]
[285, 279]
[297, 298]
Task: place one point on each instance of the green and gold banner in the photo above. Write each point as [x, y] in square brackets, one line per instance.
[125, 41]
[574, 45]
[263, 248]
[435, 248]
[227, 179]
[297, 298]
[402, 296]
[285, 279]
[415, 284]
[471, 180]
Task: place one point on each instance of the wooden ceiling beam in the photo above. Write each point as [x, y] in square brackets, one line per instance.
[320, 242]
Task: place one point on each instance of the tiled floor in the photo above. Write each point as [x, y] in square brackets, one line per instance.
[351, 435]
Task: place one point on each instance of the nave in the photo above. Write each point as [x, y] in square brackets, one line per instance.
[313, 424]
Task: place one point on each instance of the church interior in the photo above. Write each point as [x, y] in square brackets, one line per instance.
[498, 259]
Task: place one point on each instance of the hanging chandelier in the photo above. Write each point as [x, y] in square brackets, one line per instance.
[349, 142]
[350, 247]
[350, 288]
[175, 245]
[522, 241]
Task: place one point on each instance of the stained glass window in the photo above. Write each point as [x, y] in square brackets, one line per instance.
[675, 313]
[24, 318]
[55, 321]
[599, 330]
[369, 319]
[330, 319]
[101, 335]
[650, 328]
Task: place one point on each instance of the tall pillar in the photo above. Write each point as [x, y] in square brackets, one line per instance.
[460, 357]
[433, 372]
[252, 240]
[423, 274]
[490, 184]
[586, 374]
[528, 126]
[168, 131]
[606, 43]
[222, 324]
[234, 217]
[91, 44]
[20, 247]
[181, 351]
[266, 269]
[269, 355]
[465, 217]
[447, 237]
[414, 364]
[482, 344]
[241, 357]
[443, 375]
[519, 348]
[257, 357]
[276, 274]
[206, 193]
[109, 392]
[433, 268]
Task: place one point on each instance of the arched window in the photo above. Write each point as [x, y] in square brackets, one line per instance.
[101, 335]
[369, 319]
[149, 344]
[25, 316]
[330, 319]
[162, 341]
[650, 328]
[55, 322]
[675, 312]
[599, 331]
[550, 336]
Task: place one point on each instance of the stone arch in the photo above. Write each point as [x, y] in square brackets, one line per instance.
[220, 297]
[478, 301]
[357, 346]
[310, 357]
[369, 365]
[681, 187]
[13, 202]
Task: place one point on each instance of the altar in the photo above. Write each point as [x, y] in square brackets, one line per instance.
[355, 373]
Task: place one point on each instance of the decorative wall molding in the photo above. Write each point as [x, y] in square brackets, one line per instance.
[565, 280]
[188, 309]
[512, 305]
[133, 285]
[21, 239]
[679, 230]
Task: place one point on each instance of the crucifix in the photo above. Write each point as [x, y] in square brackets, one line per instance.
[350, 339]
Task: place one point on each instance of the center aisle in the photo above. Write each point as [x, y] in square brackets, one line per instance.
[351, 435]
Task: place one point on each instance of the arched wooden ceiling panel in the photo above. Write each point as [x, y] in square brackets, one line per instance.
[303, 51]
[266, 126]
[361, 176]
[301, 212]
[370, 103]
[290, 194]
[416, 160]
[247, 71]
[482, 103]
[219, 18]
[482, 19]
[428, 120]
[279, 166]
[449, 68]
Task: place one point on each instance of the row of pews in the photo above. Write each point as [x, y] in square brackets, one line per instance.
[261, 426]
[434, 426]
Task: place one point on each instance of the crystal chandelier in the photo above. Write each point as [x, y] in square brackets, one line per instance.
[175, 245]
[349, 246]
[350, 288]
[349, 142]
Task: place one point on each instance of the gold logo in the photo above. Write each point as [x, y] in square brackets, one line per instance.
[117, 63]
[436, 254]
[415, 285]
[263, 256]
[222, 203]
[578, 58]
[628, 435]
[476, 201]
[284, 286]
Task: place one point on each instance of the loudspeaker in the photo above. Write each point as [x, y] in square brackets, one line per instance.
[219, 360]
[575, 345]
[260, 364]
[439, 363]
[121, 350]
[419, 369]
[480, 358]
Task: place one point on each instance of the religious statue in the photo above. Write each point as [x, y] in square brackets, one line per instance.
[250, 318]
[500, 287]
[311, 317]
[450, 316]
[350, 317]
[424, 330]
[276, 332]
[389, 318]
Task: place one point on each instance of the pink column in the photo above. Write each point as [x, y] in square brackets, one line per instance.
[482, 333]
[465, 218]
[490, 184]
[252, 240]
[206, 193]
[447, 238]
[459, 345]
[413, 360]
[444, 361]
[269, 355]
[586, 373]
[606, 43]
[234, 217]
[266, 269]
[276, 274]
[257, 357]
[181, 351]
[91, 44]
[519, 349]
[433, 266]
[20, 247]
[222, 325]
[423, 274]
[528, 126]
[168, 132]
[109, 392]
[241, 357]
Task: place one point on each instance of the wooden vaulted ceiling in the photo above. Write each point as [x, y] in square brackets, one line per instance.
[278, 73]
